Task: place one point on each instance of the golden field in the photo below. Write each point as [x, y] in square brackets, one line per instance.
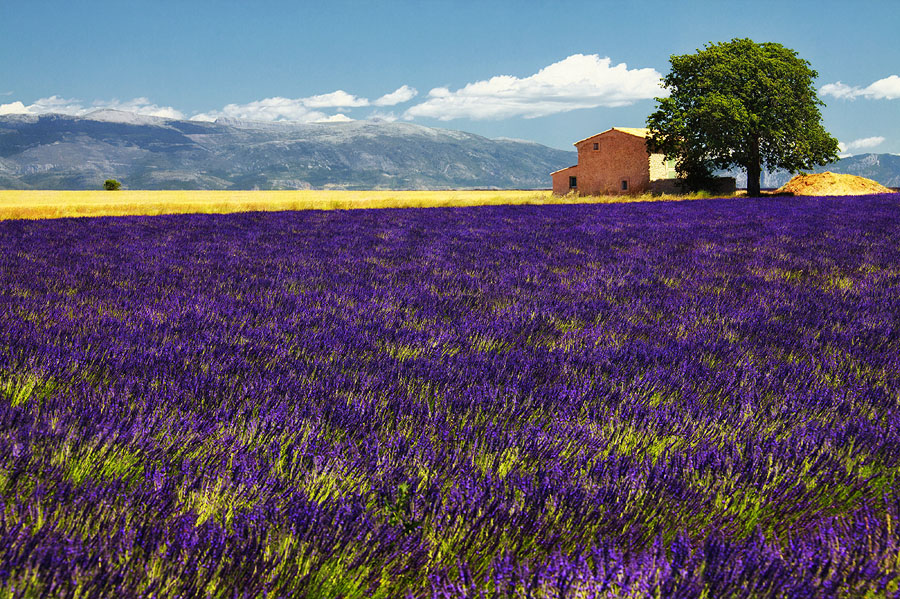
[31, 204]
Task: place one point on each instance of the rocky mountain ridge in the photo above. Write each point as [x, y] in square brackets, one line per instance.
[143, 152]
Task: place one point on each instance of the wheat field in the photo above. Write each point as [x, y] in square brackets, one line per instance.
[32, 204]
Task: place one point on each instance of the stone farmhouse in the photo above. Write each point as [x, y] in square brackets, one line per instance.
[617, 162]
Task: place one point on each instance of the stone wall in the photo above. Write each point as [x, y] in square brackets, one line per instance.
[668, 186]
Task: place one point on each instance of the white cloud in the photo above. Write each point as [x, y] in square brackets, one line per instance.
[6, 94]
[55, 104]
[865, 143]
[839, 90]
[299, 110]
[883, 89]
[887, 88]
[336, 118]
[579, 81]
[268, 109]
[204, 116]
[402, 94]
[384, 117]
[336, 99]
[140, 106]
[13, 108]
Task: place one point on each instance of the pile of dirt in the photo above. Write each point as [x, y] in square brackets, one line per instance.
[831, 184]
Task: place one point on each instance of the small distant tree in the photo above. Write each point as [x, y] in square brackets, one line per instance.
[741, 104]
[112, 185]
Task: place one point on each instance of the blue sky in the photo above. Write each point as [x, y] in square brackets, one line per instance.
[551, 72]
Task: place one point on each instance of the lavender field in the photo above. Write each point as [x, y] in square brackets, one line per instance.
[672, 399]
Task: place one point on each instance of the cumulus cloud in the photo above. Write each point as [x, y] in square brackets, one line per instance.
[299, 110]
[336, 118]
[865, 143]
[58, 105]
[839, 90]
[336, 99]
[268, 109]
[383, 117]
[13, 108]
[140, 106]
[883, 89]
[402, 94]
[579, 81]
[302, 110]
[205, 117]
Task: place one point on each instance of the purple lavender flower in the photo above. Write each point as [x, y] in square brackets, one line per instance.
[673, 399]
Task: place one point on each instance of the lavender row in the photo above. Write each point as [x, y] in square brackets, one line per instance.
[558, 401]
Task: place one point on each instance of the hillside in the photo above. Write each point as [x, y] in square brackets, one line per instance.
[65, 152]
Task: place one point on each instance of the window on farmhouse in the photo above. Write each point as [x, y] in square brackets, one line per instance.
[624, 185]
[573, 182]
[596, 145]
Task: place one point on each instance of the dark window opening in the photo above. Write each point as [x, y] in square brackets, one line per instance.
[624, 185]
[596, 146]
[573, 182]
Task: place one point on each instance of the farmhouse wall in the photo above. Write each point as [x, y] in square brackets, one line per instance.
[616, 162]
[561, 180]
[609, 158]
[660, 168]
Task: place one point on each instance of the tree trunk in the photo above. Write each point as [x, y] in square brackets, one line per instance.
[753, 169]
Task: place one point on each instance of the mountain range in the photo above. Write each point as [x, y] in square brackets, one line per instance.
[68, 152]
[57, 151]
[884, 168]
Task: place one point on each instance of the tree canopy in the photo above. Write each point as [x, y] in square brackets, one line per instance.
[741, 104]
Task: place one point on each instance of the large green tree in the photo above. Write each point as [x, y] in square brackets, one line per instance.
[741, 104]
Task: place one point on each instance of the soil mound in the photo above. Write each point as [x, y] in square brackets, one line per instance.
[831, 184]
